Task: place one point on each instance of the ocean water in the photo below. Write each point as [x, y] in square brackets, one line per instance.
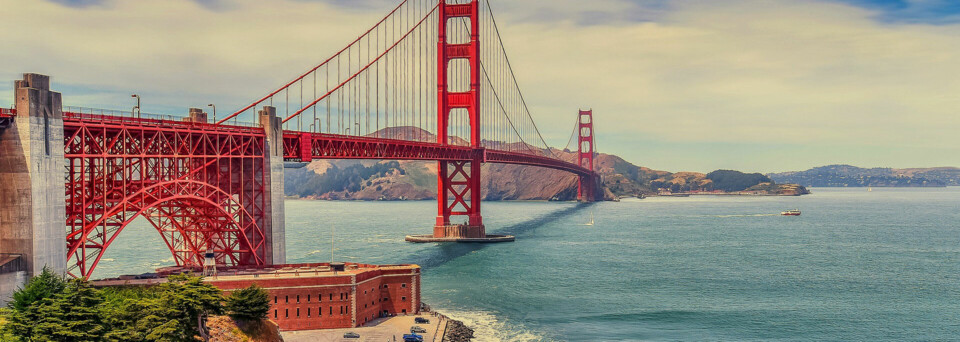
[856, 266]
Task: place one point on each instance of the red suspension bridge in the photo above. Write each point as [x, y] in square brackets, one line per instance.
[420, 84]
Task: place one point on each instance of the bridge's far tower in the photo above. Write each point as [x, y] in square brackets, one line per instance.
[459, 181]
[587, 187]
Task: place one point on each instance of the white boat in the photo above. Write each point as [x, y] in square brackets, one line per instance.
[591, 220]
[792, 212]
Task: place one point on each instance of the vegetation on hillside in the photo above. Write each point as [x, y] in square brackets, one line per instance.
[304, 182]
[51, 308]
[852, 176]
[729, 180]
[249, 304]
[391, 180]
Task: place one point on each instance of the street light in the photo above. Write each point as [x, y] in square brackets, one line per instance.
[214, 112]
[137, 108]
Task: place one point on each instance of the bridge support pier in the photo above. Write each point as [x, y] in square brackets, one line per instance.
[32, 199]
[273, 221]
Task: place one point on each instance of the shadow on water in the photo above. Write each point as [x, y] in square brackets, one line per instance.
[446, 252]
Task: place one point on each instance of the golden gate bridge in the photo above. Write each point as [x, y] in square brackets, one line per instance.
[420, 84]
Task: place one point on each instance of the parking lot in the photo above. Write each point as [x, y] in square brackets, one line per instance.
[383, 329]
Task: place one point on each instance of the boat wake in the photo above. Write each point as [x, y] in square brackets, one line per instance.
[742, 215]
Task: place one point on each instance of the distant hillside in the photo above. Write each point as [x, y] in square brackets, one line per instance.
[852, 176]
[416, 180]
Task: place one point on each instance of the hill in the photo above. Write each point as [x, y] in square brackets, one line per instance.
[417, 180]
[852, 176]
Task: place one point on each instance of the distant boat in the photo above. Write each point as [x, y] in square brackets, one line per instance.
[591, 220]
[793, 212]
[869, 188]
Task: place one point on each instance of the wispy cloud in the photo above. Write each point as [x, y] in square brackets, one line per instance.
[78, 3]
[917, 11]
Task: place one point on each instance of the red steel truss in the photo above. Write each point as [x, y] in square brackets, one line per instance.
[305, 147]
[299, 146]
[201, 186]
[6, 116]
[458, 185]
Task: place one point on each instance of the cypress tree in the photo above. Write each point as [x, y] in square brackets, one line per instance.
[71, 315]
[24, 304]
[249, 304]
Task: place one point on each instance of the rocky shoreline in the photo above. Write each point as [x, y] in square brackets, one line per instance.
[454, 331]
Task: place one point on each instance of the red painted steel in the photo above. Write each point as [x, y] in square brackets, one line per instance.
[458, 183]
[586, 184]
[6, 116]
[333, 146]
[200, 185]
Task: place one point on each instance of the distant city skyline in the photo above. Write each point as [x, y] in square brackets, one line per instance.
[752, 85]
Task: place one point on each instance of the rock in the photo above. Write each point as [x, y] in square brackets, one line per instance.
[225, 329]
[457, 332]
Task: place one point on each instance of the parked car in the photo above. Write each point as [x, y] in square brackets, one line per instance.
[417, 329]
[351, 335]
[421, 320]
[412, 338]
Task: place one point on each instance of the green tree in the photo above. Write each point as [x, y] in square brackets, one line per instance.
[25, 302]
[5, 335]
[189, 299]
[71, 315]
[249, 304]
[139, 314]
[39, 287]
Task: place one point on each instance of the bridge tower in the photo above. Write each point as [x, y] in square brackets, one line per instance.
[459, 181]
[587, 187]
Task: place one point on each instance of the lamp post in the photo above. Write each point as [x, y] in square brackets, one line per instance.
[136, 109]
[214, 112]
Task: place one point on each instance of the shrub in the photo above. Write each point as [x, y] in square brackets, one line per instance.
[249, 304]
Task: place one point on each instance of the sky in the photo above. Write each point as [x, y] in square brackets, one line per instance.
[678, 85]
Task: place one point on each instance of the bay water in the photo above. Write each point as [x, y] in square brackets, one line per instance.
[856, 266]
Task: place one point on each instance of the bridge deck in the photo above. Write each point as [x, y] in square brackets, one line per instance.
[303, 146]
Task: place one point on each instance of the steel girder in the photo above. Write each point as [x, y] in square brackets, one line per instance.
[201, 186]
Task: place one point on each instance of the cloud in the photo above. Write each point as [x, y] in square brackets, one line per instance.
[788, 73]
[78, 3]
[918, 11]
[817, 79]
[175, 52]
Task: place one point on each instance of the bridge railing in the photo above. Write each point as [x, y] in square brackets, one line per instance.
[99, 114]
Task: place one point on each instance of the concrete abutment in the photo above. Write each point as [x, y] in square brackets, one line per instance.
[32, 195]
